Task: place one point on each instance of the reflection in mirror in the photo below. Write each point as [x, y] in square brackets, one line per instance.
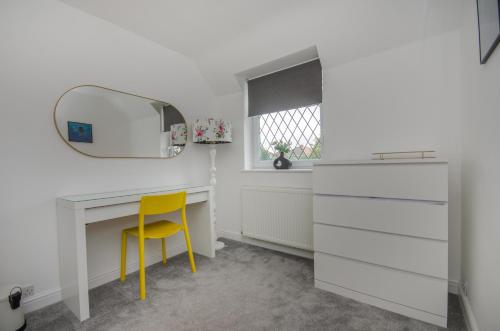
[100, 122]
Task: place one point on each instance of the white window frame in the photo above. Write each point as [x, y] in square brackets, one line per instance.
[268, 164]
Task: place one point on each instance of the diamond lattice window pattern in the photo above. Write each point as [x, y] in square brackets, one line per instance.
[300, 127]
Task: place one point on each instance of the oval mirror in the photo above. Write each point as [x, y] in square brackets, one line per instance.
[101, 122]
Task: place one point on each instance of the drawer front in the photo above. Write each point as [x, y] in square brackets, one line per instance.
[416, 291]
[413, 218]
[424, 256]
[196, 197]
[427, 181]
[97, 214]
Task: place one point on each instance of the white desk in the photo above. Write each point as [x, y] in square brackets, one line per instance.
[75, 212]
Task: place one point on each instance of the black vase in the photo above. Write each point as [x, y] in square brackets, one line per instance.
[282, 163]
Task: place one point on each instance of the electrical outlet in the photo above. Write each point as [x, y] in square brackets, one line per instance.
[28, 291]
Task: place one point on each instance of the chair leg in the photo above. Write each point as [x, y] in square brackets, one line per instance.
[123, 265]
[142, 271]
[190, 250]
[163, 251]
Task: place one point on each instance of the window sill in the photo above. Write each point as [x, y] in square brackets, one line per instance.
[284, 171]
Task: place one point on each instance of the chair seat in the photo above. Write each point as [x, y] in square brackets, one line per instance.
[156, 230]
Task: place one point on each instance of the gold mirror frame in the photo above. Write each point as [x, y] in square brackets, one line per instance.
[110, 157]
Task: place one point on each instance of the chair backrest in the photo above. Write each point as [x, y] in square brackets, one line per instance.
[162, 204]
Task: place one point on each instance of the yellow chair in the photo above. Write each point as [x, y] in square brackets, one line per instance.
[155, 205]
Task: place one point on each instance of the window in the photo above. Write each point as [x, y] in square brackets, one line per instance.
[285, 107]
[300, 127]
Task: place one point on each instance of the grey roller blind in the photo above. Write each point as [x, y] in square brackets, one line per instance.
[291, 88]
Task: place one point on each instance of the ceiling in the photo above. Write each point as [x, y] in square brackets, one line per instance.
[190, 27]
[228, 37]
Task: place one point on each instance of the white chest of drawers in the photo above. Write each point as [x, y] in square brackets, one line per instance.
[381, 234]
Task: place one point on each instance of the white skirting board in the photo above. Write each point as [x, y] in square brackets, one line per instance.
[265, 244]
[470, 319]
[42, 299]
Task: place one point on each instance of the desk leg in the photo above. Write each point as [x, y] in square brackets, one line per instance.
[200, 217]
[73, 260]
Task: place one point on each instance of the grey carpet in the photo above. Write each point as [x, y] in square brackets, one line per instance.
[243, 288]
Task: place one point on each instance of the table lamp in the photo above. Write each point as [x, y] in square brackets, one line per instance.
[212, 131]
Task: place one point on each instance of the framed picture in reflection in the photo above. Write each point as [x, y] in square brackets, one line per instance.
[80, 132]
[488, 14]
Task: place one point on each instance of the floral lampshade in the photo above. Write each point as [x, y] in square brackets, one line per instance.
[178, 134]
[212, 131]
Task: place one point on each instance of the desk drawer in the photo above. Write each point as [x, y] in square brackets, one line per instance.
[97, 214]
[197, 197]
[424, 256]
[412, 290]
[412, 218]
[426, 181]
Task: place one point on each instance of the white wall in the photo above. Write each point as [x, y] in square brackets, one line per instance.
[48, 47]
[404, 98]
[343, 31]
[481, 176]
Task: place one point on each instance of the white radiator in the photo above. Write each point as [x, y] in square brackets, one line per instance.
[279, 215]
